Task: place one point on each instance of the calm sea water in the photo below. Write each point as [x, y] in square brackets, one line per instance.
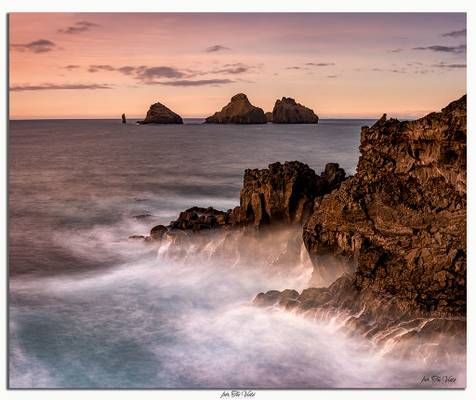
[66, 175]
[90, 308]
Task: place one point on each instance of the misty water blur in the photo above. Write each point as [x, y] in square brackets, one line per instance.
[91, 308]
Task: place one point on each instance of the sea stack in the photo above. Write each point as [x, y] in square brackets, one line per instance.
[159, 114]
[287, 111]
[269, 116]
[238, 111]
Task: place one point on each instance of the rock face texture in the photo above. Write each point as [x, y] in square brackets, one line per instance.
[238, 111]
[269, 116]
[400, 222]
[159, 114]
[284, 193]
[287, 111]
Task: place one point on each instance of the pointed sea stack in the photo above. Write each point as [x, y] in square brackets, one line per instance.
[287, 111]
[238, 111]
[159, 114]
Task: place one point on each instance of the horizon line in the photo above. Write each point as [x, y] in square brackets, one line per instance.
[34, 118]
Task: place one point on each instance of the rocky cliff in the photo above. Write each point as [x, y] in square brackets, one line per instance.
[238, 111]
[388, 244]
[400, 222]
[287, 111]
[159, 114]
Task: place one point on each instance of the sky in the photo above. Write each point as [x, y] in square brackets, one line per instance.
[343, 65]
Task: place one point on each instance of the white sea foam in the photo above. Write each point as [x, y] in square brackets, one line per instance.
[168, 319]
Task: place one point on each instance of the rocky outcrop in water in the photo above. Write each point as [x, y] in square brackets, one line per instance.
[383, 318]
[287, 111]
[280, 194]
[284, 193]
[269, 116]
[400, 222]
[238, 111]
[159, 114]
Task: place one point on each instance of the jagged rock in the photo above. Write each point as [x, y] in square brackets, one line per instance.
[287, 111]
[383, 318]
[283, 192]
[159, 114]
[269, 116]
[238, 111]
[286, 299]
[157, 232]
[199, 218]
[400, 222]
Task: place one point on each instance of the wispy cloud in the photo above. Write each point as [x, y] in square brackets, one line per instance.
[332, 76]
[201, 82]
[399, 50]
[37, 46]
[71, 67]
[444, 49]
[53, 86]
[126, 70]
[78, 27]
[320, 64]
[454, 34]
[101, 67]
[449, 66]
[215, 48]
[150, 73]
[295, 67]
[393, 70]
[237, 68]
[178, 77]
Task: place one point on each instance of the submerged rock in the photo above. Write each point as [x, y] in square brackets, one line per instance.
[160, 114]
[238, 111]
[287, 111]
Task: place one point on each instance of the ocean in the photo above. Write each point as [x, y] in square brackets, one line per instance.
[91, 308]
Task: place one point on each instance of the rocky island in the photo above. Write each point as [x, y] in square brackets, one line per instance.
[287, 111]
[238, 111]
[160, 114]
[388, 245]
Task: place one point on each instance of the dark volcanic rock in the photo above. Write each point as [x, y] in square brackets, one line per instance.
[269, 116]
[287, 111]
[281, 193]
[159, 114]
[157, 232]
[238, 111]
[400, 222]
[199, 218]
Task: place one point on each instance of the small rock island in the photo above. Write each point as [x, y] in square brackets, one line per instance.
[287, 111]
[238, 111]
[160, 114]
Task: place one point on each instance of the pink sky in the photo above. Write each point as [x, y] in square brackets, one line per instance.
[341, 65]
